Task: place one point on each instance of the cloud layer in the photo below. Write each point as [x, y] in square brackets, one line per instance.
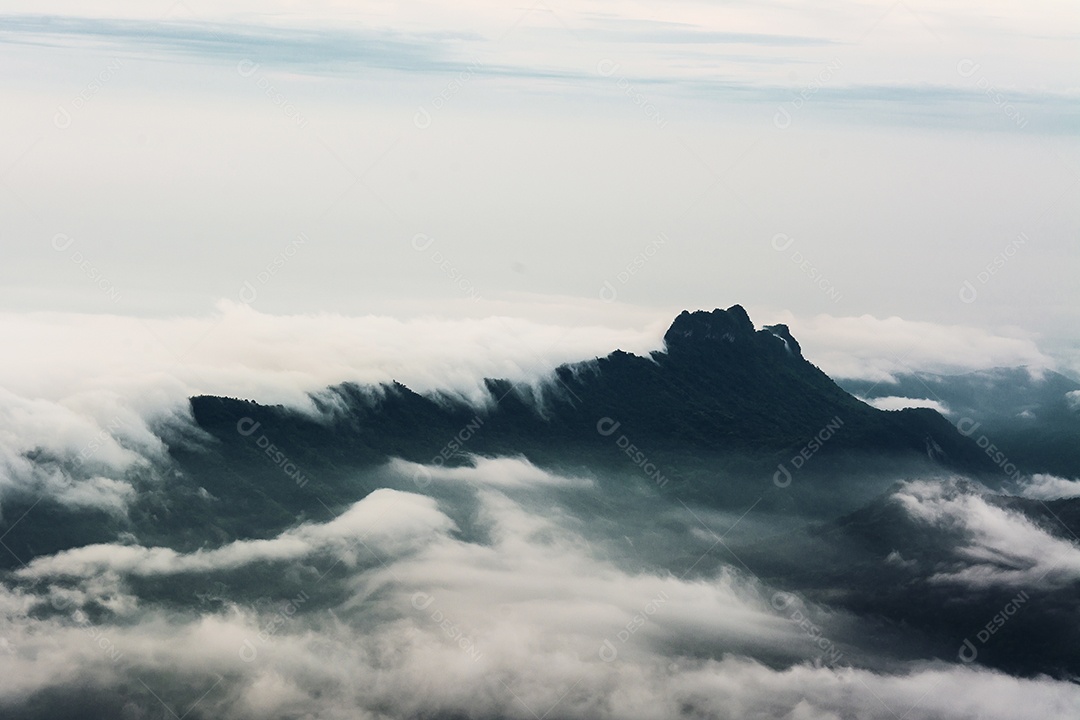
[999, 547]
[90, 395]
[871, 348]
[416, 620]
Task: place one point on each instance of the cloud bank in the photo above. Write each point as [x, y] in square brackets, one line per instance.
[999, 547]
[89, 396]
[1048, 487]
[892, 402]
[871, 348]
[417, 620]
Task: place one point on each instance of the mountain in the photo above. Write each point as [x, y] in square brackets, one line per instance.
[719, 385]
[1032, 415]
[721, 413]
[726, 415]
[722, 495]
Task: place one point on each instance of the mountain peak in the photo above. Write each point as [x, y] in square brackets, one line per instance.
[718, 325]
[705, 329]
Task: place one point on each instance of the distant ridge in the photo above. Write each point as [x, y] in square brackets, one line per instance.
[719, 386]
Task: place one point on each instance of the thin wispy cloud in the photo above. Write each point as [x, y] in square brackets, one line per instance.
[326, 50]
[314, 49]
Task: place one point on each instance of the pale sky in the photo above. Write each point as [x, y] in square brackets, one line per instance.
[571, 163]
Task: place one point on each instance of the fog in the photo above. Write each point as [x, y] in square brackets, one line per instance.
[387, 610]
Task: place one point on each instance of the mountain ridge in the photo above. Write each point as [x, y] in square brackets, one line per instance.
[720, 385]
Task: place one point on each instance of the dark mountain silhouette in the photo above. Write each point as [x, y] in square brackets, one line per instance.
[726, 419]
[720, 386]
[711, 419]
[721, 396]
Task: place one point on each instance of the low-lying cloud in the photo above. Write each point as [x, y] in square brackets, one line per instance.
[533, 622]
[870, 348]
[1049, 487]
[383, 519]
[89, 395]
[893, 402]
[1000, 547]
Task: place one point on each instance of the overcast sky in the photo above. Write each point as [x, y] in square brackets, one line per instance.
[587, 163]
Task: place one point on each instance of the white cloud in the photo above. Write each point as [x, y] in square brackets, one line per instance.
[893, 402]
[386, 519]
[280, 358]
[510, 628]
[87, 389]
[871, 348]
[97, 492]
[1073, 399]
[501, 472]
[1049, 487]
[1001, 547]
[409, 668]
